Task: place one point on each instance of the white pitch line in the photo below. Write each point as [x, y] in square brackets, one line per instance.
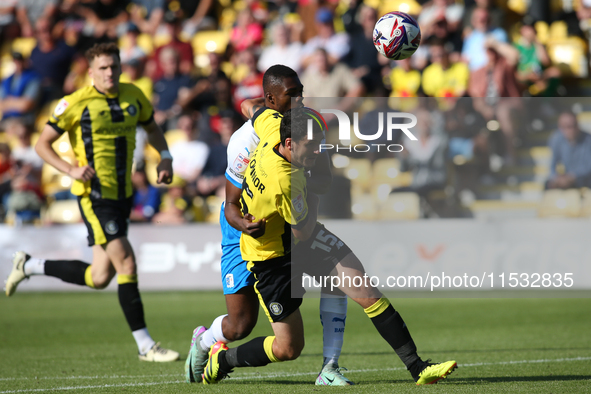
[256, 375]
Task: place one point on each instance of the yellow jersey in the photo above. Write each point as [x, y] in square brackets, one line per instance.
[273, 189]
[102, 130]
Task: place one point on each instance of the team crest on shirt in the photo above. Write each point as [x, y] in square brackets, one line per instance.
[276, 308]
[241, 162]
[132, 110]
[60, 108]
[111, 227]
[298, 203]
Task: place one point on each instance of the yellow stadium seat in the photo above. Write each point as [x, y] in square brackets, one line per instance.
[359, 172]
[210, 41]
[401, 206]
[363, 207]
[214, 206]
[558, 30]
[24, 45]
[63, 211]
[386, 171]
[560, 203]
[570, 55]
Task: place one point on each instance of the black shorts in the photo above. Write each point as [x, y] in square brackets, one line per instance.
[274, 279]
[279, 280]
[105, 219]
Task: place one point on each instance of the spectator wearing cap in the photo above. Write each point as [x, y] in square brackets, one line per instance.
[336, 45]
[474, 49]
[535, 69]
[147, 15]
[51, 59]
[571, 149]
[132, 73]
[183, 49]
[362, 57]
[20, 92]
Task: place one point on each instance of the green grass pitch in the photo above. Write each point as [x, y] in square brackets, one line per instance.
[79, 342]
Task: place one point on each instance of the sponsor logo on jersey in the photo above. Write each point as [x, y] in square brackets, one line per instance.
[241, 162]
[230, 280]
[298, 203]
[60, 108]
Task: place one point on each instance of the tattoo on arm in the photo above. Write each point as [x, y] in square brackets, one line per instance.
[253, 110]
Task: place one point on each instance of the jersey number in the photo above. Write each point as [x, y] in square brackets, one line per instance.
[323, 241]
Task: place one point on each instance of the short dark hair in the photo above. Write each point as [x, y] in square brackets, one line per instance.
[294, 124]
[105, 48]
[275, 75]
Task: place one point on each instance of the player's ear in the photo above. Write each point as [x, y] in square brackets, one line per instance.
[287, 143]
[270, 98]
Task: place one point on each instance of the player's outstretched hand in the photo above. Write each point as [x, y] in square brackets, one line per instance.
[84, 173]
[254, 229]
[164, 171]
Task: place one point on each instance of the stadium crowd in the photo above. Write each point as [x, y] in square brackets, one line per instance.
[197, 61]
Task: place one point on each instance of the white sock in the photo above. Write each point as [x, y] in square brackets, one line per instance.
[34, 266]
[214, 334]
[143, 339]
[333, 312]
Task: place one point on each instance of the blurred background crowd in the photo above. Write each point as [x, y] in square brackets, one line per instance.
[490, 85]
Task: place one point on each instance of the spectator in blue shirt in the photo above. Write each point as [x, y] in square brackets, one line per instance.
[146, 198]
[168, 88]
[20, 92]
[571, 148]
[474, 49]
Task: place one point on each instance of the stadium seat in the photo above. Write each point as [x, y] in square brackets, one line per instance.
[210, 41]
[359, 172]
[24, 45]
[214, 206]
[560, 204]
[569, 54]
[401, 206]
[363, 207]
[63, 211]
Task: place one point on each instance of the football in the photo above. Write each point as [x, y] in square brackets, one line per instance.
[396, 35]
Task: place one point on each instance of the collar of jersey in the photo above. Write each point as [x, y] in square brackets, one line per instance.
[283, 157]
[106, 94]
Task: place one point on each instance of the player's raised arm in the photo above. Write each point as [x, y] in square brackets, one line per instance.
[156, 139]
[250, 106]
[45, 150]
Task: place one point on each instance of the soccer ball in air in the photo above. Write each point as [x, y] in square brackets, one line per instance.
[396, 35]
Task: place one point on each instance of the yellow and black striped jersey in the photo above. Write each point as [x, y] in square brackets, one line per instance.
[102, 131]
[273, 189]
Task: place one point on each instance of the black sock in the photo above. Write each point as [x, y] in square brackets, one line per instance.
[392, 328]
[250, 354]
[131, 303]
[71, 271]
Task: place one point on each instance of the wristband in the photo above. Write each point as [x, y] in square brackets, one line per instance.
[165, 155]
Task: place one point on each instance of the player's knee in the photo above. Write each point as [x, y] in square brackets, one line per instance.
[290, 352]
[240, 330]
[101, 280]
